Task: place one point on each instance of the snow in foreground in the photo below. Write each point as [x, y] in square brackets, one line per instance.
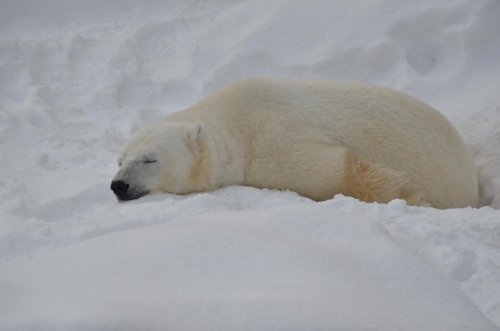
[248, 260]
[78, 78]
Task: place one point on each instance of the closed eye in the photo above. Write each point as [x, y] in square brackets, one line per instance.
[149, 158]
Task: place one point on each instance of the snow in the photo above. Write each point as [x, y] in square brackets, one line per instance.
[78, 78]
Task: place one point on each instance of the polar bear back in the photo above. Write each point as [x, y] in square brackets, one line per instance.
[293, 123]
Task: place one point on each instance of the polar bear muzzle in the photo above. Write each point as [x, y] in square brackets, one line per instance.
[124, 192]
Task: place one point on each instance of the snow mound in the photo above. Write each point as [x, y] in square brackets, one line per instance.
[297, 266]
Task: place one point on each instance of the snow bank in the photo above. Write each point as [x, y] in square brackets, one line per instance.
[299, 265]
[78, 78]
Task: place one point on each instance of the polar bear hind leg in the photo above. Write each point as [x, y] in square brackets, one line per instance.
[375, 183]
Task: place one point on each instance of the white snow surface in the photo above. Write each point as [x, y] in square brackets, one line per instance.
[77, 78]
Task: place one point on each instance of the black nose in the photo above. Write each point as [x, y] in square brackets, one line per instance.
[120, 188]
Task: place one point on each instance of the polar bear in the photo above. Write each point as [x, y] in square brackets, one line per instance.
[317, 138]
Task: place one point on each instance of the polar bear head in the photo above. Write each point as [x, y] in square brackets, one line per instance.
[163, 158]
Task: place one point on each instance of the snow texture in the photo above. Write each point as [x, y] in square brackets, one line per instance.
[77, 78]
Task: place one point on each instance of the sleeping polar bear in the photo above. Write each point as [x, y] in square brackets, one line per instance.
[316, 138]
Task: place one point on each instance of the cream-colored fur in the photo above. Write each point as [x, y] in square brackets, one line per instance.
[317, 138]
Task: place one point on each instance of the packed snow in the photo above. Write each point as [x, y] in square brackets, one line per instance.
[78, 78]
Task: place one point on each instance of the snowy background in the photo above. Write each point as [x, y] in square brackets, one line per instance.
[77, 78]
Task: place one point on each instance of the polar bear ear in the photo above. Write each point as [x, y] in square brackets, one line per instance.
[194, 133]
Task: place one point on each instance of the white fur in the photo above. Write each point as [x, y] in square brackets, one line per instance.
[317, 138]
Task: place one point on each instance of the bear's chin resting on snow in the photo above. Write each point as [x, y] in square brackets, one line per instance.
[316, 138]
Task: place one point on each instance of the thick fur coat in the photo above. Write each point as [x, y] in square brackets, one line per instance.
[317, 138]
